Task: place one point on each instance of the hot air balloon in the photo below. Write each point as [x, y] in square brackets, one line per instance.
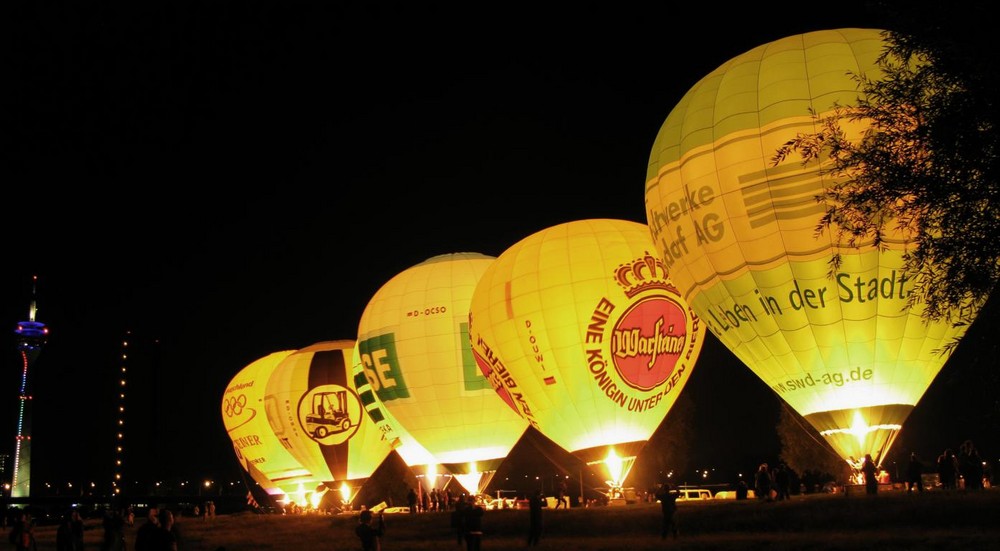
[407, 447]
[414, 347]
[738, 234]
[258, 450]
[582, 333]
[315, 410]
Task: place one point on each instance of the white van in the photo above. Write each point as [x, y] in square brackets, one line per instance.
[692, 494]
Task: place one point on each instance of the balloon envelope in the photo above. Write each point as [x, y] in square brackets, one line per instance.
[409, 450]
[582, 333]
[257, 448]
[414, 346]
[315, 410]
[738, 236]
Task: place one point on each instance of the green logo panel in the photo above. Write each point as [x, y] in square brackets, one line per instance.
[381, 365]
[472, 378]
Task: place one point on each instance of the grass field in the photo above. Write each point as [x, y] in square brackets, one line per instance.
[889, 521]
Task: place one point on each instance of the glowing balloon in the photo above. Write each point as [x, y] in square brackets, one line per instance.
[258, 450]
[412, 453]
[315, 410]
[738, 236]
[581, 332]
[414, 346]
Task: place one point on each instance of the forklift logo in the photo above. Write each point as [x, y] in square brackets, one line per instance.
[330, 414]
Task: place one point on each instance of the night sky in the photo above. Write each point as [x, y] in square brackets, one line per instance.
[227, 180]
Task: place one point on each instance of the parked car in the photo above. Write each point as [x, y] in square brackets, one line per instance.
[691, 494]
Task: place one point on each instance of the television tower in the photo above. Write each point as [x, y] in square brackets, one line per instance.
[31, 337]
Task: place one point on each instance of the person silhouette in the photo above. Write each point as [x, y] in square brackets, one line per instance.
[458, 518]
[914, 474]
[23, 533]
[870, 471]
[970, 466]
[535, 504]
[370, 536]
[473, 522]
[146, 534]
[947, 467]
[667, 495]
[762, 482]
[562, 499]
[411, 500]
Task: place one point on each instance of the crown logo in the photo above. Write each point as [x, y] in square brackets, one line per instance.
[643, 274]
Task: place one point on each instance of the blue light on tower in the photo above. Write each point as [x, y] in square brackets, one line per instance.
[31, 337]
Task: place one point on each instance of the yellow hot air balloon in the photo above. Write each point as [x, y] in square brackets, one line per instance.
[581, 332]
[259, 451]
[316, 412]
[414, 347]
[411, 452]
[738, 235]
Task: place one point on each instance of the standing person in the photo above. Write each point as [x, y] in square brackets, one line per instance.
[562, 499]
[370, 536]
[782, 482]
[167, 534]
[668, 495]
[970, 465]
[914, 474]
[762, 482]
[114, 530]
[473, 527]
[22, 533]
[69, 535]
[535, 518]
[168, 519]
[742, 490]
[146, 535]
[871, 475]
[411, 500]
[947, 467]
[458, 518]
[77, 527]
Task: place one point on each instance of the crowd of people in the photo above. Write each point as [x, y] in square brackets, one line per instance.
[772, 484]
[965, 469]
[433, 500]
[466, 520]
[159, 532]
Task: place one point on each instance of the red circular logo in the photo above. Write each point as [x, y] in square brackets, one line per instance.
[648, 340]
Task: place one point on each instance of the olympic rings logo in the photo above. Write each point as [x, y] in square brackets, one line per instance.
[234, 406]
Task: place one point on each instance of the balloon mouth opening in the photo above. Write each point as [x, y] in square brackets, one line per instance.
[612, 462]
[854, 432]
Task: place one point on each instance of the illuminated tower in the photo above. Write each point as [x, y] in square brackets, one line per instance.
[31, 337]
[117, 482]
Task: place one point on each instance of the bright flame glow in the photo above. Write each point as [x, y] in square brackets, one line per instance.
[431, 476]
[618, 469]
[859, 428]
[316, 497]
[470, 480]
[614, 464]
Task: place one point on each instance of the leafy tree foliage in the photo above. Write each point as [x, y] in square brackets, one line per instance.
[927, 164]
